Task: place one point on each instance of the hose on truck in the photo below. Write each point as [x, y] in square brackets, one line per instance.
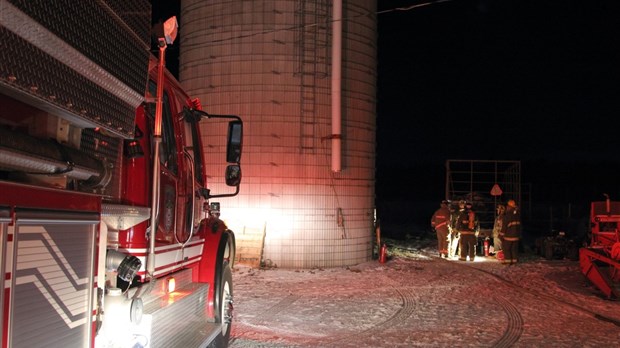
[23, 153]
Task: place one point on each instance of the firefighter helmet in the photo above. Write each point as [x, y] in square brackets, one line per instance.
[511, 203]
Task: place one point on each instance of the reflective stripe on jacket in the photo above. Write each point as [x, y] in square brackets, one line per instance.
[440, 217]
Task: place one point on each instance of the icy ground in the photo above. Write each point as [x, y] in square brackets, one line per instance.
[416, 299]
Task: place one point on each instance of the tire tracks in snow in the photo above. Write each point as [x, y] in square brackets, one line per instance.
[539, 294]
[407, 308]
[269, 314]
[241, 329]
[406, 302]
[514, 329]
[514, 326]
[598, 316]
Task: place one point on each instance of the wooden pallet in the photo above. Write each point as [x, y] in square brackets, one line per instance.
[250, 242]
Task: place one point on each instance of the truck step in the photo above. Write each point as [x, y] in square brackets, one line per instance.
[178, 319]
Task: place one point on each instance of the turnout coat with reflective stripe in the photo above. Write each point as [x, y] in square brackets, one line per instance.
[511, 227]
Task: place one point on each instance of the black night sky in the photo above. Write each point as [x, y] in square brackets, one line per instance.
[535, 81]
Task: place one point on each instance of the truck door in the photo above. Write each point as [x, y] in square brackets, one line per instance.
[169, 174]
[193, 162]
[181, 172]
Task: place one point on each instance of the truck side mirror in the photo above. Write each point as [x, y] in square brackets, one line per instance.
[234, 144]
[233, 175]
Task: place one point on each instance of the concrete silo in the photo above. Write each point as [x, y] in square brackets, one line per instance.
[302, 75]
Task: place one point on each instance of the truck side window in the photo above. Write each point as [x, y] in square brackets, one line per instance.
[197, 157]
[168, 154]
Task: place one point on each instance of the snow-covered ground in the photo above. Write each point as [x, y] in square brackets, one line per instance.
[416, 299]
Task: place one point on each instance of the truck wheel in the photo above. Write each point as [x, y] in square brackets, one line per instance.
[231, 249]
[224, 308]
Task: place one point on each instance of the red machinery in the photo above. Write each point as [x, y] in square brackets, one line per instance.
[108, 237]
[600, 260]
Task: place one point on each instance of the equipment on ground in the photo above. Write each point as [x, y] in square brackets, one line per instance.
[557, 247]
[486, 246]
[383, 253]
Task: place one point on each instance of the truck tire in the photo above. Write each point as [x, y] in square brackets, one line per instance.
[224, 290]
[231, 255]
[224, 308]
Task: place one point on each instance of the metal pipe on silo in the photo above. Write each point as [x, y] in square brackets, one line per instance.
[336, 87]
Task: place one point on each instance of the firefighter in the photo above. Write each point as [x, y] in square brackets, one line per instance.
[454, 237]
[440, 222]
[511, 228]
[466, 226]
[497, 228]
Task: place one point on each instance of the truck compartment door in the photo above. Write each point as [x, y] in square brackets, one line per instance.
[51, 281]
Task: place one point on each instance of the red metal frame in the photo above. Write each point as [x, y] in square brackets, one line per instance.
[601, 270]
[597, 261]
[15, 194]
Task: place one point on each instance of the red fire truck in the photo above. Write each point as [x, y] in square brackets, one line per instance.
[108, 233]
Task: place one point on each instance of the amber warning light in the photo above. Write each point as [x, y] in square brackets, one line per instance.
[171, 285]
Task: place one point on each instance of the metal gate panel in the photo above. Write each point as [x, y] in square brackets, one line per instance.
[474, 181]
[53, 279]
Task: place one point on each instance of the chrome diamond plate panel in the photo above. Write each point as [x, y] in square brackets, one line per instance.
[85, 61]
